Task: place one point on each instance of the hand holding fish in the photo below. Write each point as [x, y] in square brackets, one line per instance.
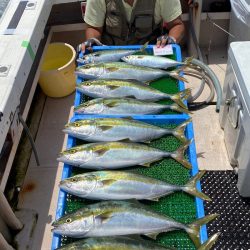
[88, 44]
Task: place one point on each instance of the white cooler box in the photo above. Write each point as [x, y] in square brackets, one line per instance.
[235, 112]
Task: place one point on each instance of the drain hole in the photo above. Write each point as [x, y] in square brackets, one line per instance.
[3, 69]
[30, 5]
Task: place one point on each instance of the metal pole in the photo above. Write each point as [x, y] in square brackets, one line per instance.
[8, 215]
[4, 244]
[196, 20]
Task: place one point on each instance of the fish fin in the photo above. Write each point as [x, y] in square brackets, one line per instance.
[125, 140]
[179, 132]
[104, 216]
[112, 87]
[148, 164]
[105, 128]
[112, 104]
[179, 97]
[191, 188]
[112, 69]
[152, 235]
[210, 242]
[153, 199]
[179, 155]
[193, 229]
[176, 75]
[108, 182]
[101, 152]
[177, 108]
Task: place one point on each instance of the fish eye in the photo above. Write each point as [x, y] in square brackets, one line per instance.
[87, 67]
[74, 179]
[72, 151]
[87, 83]
[77, 124]
[68, 220]
[85, 105]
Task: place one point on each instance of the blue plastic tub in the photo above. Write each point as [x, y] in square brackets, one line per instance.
[79, 97]
[170, 119]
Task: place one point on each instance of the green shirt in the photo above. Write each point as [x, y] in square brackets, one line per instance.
[165, 10]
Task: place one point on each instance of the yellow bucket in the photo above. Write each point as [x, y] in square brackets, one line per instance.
[57, 78]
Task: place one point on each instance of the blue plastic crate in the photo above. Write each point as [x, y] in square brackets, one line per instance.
[170, 119]
[177, 52]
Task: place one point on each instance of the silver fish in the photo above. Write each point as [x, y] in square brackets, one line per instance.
[113, 155]
[105, 88]
[124, 106]
[158, 62]
[117, 218]
[123, 185]
[121, 129]
[114, 243]
[108, 55]
[122, 70]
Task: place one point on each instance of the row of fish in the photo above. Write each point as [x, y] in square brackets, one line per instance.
[115, 83]
[127, 97]
[131, 57]
[114, 217]
[123, 88]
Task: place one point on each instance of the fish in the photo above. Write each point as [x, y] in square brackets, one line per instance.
[124, 185]
[125, 106]
[112, 88]
[127, 243]
[118, 218]
[114, 155]
[121, 129]
[108, 55]
[210, 242]
[122, 70]
[157, 62]
[114, 243]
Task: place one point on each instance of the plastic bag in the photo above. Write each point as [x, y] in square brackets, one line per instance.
[241, 9]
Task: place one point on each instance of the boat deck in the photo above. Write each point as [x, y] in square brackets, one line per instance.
[40, 191]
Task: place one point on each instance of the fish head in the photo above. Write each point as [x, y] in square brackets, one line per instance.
[92, 88]
[74, 225]
[126, 58]
[80, 185]
[90, 71]
[75, 156]
[92, 107]
[85, 128]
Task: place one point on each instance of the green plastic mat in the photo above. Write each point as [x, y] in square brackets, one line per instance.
[165, 84]
[179, 206]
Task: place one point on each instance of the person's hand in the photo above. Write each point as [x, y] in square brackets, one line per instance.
[88, 44]
[162, 41]
[190, 2]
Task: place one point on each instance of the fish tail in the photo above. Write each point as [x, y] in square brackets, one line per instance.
[144, 47]
[179, 132]
[188, 61]
[210, 242]
[176, 107]
[193, 229]
[179, 155]
[191, 188]
[176, 75]
[180, 97]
